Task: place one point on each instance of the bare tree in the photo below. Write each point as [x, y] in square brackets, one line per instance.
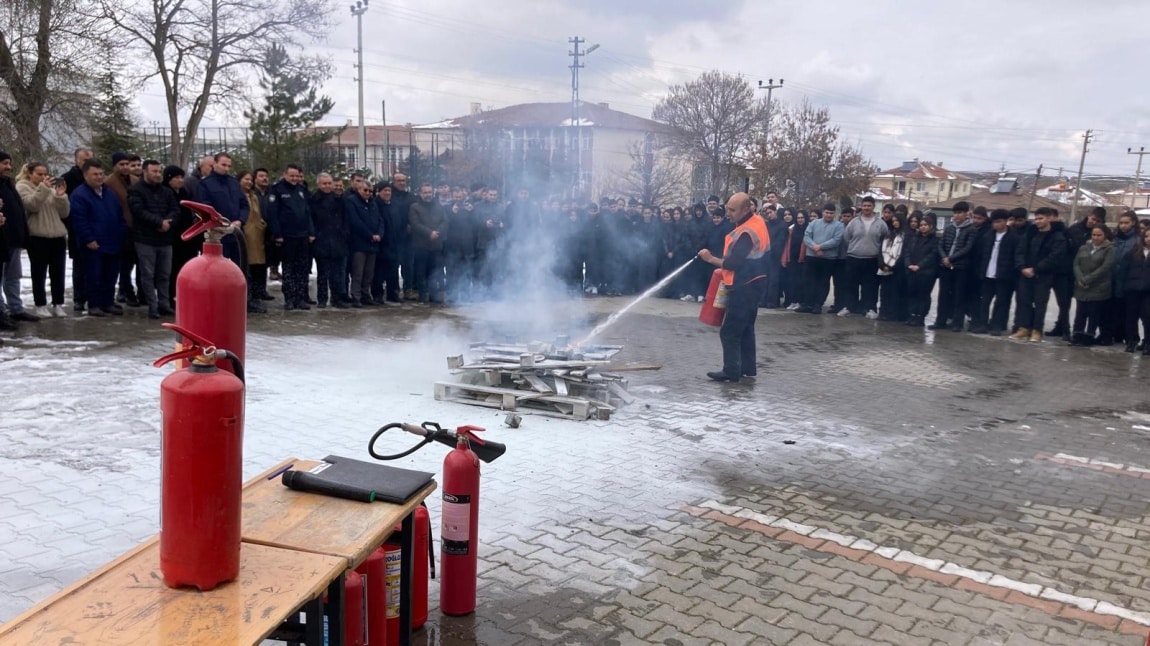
[657, 176]
[46, 70]
[716, 117]
[805, 158]
[201, 49]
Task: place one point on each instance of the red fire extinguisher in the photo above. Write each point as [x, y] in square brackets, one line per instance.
[458, 553]
[384, 609]
[201, 466]
[354, 600]
[374, 573]
[715, 303]
[212, 293]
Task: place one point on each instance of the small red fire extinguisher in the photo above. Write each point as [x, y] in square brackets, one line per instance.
[212, 293]
[459, 556]
[715, 303]
[201, 466]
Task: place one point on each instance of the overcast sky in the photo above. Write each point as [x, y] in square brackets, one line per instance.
[973, 84]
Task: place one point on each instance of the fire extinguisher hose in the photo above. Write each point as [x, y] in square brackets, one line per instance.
[427, 439]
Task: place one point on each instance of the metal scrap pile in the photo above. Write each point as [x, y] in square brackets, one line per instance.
[554, 379]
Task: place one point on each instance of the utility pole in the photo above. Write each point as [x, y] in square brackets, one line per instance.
[1137, 176]
[1034, 191]
[386, 141]
[769, 87]
[357, 10]
[1086, 138]
[575, 66]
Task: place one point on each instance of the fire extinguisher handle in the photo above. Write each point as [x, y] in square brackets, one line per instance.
[207, 217]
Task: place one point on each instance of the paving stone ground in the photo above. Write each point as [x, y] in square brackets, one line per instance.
[863, 490]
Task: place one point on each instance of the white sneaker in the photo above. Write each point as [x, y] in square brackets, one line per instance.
[594, 291]
[687, 299]
[42, 311]
[59, 311]
[702, 298]
[844, 312]
[793, 306]
[871, 314]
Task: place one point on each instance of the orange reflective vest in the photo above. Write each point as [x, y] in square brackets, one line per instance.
[755, 227]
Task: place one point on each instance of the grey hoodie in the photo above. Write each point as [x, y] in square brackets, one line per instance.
[864, 243]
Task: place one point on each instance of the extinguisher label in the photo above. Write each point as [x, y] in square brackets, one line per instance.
[456, 524]
[394, 561]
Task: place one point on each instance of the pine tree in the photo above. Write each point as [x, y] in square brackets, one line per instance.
[282, 131]
[113, 120]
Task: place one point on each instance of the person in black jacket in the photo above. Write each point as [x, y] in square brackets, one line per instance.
[385, 280]
[997, 275]
[367, 234]
[289, 218]
[154, 213]
[920, 257]
[329, 216]
[593, 236]
[955, 249]
[182, 250]
[17, 234]
[459, 249]
[1038, 258]
[1063, 287]
[1137, 285]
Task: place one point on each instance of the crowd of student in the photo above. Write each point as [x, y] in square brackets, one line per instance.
[383, 244]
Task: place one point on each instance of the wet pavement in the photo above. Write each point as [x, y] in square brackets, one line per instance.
[874, 485]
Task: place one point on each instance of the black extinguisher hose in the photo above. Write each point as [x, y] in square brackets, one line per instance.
[430, 543]
[237, 365]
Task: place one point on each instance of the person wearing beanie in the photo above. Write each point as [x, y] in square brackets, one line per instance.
[118, 181]
[182, 250]
[16, 233]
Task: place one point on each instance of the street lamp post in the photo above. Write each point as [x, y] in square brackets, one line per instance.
[357, 10]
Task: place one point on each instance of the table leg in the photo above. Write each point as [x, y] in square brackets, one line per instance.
[313, 627]
[336, 606]
[406, 577]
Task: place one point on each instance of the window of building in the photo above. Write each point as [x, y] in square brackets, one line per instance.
[920, 186]
[901, 187]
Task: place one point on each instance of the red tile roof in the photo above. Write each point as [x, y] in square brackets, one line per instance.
[924, 170]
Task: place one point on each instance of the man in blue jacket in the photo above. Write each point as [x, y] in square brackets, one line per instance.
[289, 219]
[99, 224]
[822, 239]
[366, 235]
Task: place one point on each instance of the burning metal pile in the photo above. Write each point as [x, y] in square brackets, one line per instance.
[556, 379]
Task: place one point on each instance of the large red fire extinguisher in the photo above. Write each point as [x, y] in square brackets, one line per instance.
[212, 293]
[715, 303]
[201, 466]
[383, 601]
[459, 558]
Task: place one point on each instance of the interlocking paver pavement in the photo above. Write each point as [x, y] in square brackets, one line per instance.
[700, 514]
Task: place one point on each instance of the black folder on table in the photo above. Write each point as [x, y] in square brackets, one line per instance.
[358, 480]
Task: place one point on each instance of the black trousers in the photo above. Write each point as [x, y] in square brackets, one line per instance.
[817, 274]
[774, 283]
[861, 285]
[839, 277]
[295, 255]
[47, 256]
[1033, 297]
[1137, 309]
[953, 297]
[460, 267]
[127, 264]
[893, 291]
[1063, 293]
[737, 333]
[997, 293]
[919, 285]
[1088, 317]
[385, 280]
[1113, 320]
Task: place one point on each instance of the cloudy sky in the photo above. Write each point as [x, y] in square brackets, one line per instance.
[974, 84]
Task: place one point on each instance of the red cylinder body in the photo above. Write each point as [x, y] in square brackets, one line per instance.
[459, 557]
[354, 630]
[201, 474]
[393, 554]
[212, 301]
[714, 308]
[421, 567]
[374, 573]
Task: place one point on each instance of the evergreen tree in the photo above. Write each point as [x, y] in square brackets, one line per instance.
[282, 129]
[113, 121]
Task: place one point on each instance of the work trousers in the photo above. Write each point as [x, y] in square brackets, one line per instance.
[1137, 309]
[817, 274]
[362, 272]
[737, 333]
[295, 256]
[996, 291]
[128, 263]
[47, 258]
[331, 276]
[919, 285]
[861, 276]
[155, 266]
[101, 271]
[1033, 297]
[953, 297]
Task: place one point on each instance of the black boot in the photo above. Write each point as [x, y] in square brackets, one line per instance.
[1131, 346]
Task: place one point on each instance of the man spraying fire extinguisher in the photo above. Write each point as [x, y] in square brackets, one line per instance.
[744, 271]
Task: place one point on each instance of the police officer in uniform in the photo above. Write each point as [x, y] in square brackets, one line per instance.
[744, 267]
[289, 218]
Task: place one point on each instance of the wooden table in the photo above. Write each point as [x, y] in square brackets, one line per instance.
[126, 603]
[276, 516]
